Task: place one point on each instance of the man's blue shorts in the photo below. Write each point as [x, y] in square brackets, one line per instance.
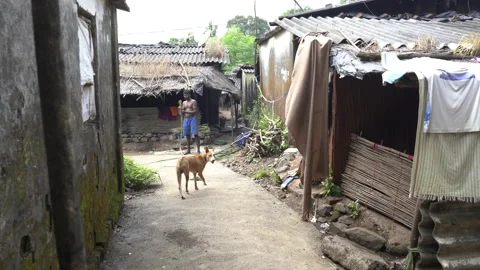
[190, 126]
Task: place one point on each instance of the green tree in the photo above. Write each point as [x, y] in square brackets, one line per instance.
[212, 28]
[250, 25]
[296, 10]
[240, 46]
[190, 40]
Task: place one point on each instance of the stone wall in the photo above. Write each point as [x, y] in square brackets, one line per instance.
[26, 227]
[61, 178]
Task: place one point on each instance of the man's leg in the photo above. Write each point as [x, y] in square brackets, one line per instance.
[194, 131]
[188, 144]
[197, 139]
[187, 133]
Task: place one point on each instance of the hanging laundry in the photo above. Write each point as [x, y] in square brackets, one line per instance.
[174, 111]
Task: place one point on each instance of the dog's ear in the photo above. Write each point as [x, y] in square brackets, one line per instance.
[206, 149]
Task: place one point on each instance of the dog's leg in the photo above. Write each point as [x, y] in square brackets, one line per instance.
[195, 176]
[179, 179]
[187, 176]
[203, 178]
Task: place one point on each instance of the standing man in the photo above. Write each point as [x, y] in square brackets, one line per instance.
[189, 110]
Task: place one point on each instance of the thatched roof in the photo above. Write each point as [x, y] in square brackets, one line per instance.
[161, 79]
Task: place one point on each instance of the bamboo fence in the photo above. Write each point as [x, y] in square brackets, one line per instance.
[379, 177]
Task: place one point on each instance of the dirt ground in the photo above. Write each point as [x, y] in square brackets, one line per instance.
[230, 224]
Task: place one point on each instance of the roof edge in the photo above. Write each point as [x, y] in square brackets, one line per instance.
[120, 4]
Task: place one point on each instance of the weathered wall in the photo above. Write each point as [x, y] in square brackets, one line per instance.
[101, 179]
[84, 159]
[276, 58]
[249, 91]
[26, 227]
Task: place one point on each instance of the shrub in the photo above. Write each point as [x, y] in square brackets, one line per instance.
[354, 209]
[137, 176]
[328, 187]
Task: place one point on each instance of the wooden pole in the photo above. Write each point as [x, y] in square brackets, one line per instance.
[416, 220]
[307, 187]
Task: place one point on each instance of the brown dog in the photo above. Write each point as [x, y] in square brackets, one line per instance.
[193, 164]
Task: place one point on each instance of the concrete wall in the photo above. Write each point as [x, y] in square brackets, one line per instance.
[276, 58]
[61, 179]
[26, 227]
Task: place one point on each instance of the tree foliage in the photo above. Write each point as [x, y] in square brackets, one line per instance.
[250, 25]
[241, 47]
[296, 10]
[212, 29]
[189, 40]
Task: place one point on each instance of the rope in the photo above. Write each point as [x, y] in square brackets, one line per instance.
[218, 154]
[264, 98]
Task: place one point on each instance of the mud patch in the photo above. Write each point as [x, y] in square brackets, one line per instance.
[183, 238]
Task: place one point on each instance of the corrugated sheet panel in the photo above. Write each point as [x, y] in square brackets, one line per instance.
[160, 53]
[395, 33]
[457, 231]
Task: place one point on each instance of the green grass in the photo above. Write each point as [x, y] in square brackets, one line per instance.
[137, 176]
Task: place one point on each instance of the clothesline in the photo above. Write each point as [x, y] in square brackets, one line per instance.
[264, 98]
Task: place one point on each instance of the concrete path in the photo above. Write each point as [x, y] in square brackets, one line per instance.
[229, 224]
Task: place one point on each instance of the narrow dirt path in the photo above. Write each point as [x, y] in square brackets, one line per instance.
[229, 224]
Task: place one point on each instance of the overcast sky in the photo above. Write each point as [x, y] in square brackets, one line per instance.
[151, 21]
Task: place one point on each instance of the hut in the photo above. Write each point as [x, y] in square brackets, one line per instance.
[372, 127]
[153, 78]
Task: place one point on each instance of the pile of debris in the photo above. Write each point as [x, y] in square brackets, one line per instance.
[264, 142]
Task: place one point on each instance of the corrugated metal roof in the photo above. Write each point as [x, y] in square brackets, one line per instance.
[395, 33]
[161, 53]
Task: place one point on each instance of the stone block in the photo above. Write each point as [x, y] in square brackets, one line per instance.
[366, 238]
[351, 255]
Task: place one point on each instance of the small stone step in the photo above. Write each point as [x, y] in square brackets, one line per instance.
[366, 238]
[351, 255]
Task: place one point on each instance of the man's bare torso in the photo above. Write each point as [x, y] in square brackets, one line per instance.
[190, 108]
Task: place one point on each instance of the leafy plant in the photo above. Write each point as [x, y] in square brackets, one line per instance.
[328, 187]
[137, 176]
[262, 173]
[354, 209]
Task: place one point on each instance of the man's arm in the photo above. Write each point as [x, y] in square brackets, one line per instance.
[194, 105]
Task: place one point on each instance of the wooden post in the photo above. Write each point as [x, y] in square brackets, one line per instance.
[307, 186]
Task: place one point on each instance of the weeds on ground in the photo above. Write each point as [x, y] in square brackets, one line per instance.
[328, 187]
[137, 176]
[354, 209]
[263, 173]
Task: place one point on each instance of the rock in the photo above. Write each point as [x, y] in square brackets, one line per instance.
[154, 139]
[282, 163]
[144, 139]
[340, 207]
[291, 150]
[282, 196]
[334, 200]
[322, 220]
[127, 140]
[346, 220]
[351, 255]
[289, 156]
[149, 135]
[324, 210]
[366, 238]
[335, 216]
[136, 140]
[338, 228]
[281, 169]
[397, 249]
